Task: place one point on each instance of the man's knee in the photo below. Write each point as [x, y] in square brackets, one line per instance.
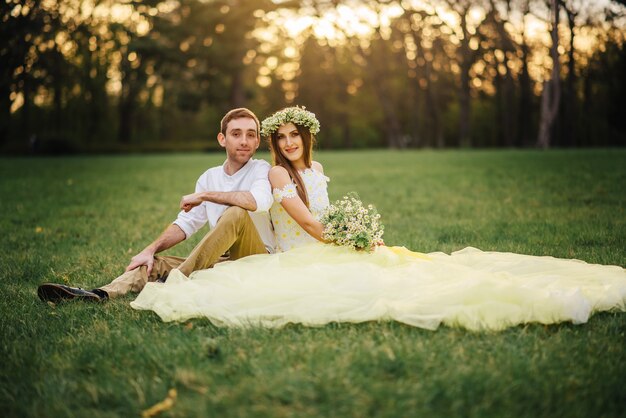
[234, 214]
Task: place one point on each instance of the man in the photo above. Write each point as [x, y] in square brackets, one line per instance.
[234, 198]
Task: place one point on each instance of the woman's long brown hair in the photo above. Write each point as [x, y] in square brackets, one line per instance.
[279, 159]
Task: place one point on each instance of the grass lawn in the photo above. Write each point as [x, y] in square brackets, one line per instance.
[79, 220]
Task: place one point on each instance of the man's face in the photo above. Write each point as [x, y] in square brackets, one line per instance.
[241, 140]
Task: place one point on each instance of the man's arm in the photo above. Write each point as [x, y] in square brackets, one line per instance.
[243, 199]
[168, 238]
[258, 198]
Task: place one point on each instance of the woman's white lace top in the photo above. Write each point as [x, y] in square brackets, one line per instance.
[288, 233]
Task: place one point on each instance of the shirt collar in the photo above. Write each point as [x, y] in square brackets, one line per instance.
[246, 167]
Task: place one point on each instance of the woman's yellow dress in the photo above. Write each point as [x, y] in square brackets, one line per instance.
[315, 284]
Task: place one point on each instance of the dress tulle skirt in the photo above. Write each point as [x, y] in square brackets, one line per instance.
[318, 284]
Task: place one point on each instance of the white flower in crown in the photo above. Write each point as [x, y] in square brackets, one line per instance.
[296, 115]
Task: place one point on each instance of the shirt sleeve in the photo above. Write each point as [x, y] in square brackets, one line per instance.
[261, 189]
[190, 222]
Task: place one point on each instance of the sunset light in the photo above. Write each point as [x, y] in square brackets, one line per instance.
[446, 57]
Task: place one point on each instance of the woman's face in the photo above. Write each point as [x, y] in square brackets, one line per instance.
[290, 143]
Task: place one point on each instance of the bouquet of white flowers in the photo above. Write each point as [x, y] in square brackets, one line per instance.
[347, 222]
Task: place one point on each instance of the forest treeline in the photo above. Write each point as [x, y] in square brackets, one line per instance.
[79, 75]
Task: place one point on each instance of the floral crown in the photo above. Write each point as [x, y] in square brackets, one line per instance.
[296, 115]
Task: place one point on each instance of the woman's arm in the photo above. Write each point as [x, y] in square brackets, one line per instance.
[295, 207]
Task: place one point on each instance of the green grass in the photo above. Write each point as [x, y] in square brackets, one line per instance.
[79, 220]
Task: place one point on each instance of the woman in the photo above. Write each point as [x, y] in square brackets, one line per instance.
[314, 283]
[298, 183]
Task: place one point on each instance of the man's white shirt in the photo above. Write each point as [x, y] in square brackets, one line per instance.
[252, 177]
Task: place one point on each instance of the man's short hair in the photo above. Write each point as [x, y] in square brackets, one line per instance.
[240, 112]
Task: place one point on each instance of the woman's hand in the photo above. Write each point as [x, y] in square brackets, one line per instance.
[190, 201]
[380, 243]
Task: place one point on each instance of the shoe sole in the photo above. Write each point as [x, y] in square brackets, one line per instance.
[50, 292]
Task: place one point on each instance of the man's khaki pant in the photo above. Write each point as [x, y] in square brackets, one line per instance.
[234, 232]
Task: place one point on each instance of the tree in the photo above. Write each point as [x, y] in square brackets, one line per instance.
[525, 90]
[467, 53]
[26, 28]
[551, 95]
[429, 74]
[501, 50]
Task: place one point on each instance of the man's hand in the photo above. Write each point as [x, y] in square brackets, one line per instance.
[190, 201]
[172, 235]
[144, 258]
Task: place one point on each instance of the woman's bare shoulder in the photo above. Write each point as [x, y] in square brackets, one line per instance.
[278, 174]
[317, 166]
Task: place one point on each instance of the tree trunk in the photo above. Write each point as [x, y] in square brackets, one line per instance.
[345, 128]
[570, 103]
[344, 118]
[416, 122]
[465, 103]
[509, 127]
[126, 108]
[393, 132]
[500, 103]
[125, 129]
[94, 103]
[5, 112]
[525, 101]
[58, 95]
[237, 96]
[509, 118]
[551, 95]
[26, 130]
[465, 111]
[587, 104]
[433, 109]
